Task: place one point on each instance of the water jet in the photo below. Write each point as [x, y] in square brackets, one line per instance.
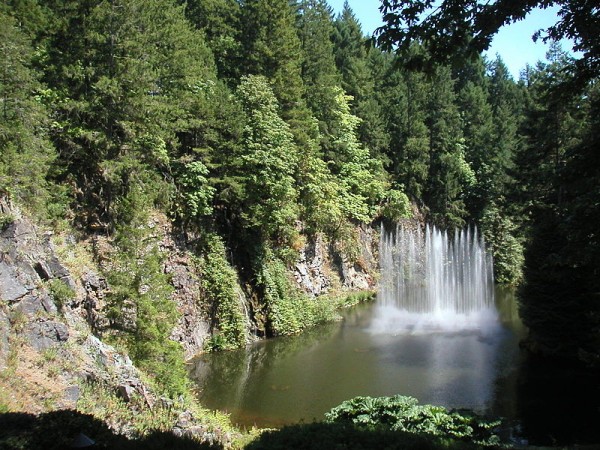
[434, 281]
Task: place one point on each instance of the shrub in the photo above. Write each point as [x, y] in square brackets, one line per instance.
[5, 220]
[219, 282]
[61, 292]
[400, 413]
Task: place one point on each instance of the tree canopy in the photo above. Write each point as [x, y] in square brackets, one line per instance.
[464, 28]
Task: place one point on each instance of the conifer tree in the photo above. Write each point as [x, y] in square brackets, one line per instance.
[354, 65]
[405, 100]
[272, 49]
[220, 21]
[449, 172]
[319, 72]
[26, 155]
[124, 85]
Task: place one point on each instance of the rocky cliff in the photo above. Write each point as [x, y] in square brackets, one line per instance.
[52, 314]
[49, 354]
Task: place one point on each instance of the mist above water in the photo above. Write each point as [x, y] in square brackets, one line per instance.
[433, 281]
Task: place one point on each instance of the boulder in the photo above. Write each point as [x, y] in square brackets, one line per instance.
[11, 287]
[43, 334]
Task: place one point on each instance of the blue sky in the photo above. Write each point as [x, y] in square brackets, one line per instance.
[513, 43]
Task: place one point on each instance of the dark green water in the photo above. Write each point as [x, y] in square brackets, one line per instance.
[287, 380]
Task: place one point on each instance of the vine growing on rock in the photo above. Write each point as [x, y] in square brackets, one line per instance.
[220, 285]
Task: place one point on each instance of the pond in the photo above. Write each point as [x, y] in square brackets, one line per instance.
[287, 380]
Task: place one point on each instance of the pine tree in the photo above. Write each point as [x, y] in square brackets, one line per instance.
[220, 21]
[405, 100]
[272, 49]
[124, 83]
[558, 297]
[449, 172]
[354, 65]
[319, 72]
[26, 156]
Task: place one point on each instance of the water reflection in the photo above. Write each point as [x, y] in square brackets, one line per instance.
[287, 380]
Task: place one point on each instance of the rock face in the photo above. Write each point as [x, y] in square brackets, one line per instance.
[44, 333]
[193, 327]
[322, 267]
[31, 320]
[309, 271]
[26, 262]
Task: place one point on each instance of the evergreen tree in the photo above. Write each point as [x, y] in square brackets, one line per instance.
[26, 155]
[354, 65]
[476, 113]
[220, 21]
[273, 49]
[558, 297]
[405, 94]
[319, 72]
[123, 85]
[449, 172]
[140, 308]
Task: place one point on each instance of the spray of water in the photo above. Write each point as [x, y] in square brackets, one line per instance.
[433, 281]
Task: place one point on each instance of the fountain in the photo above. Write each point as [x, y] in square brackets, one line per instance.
[433, 281]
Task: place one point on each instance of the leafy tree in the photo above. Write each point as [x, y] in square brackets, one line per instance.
[360, 176]
[270, 161]
[474, 24]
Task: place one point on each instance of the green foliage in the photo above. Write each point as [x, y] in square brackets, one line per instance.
[353, 63]
[272, 49]
[449, 173]
[396, 206]
[269, 161]
[559, 300]
[475, 24]
[500, 236]
[289, 311]
[61, 292]
[220, 21]
[319, 72]
[360, 176]
[400, 413]
[26, 155]
[219, 282]
[140, 307]
[5, 220]
[196, 192]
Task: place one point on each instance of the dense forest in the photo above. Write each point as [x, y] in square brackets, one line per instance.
[255, 124]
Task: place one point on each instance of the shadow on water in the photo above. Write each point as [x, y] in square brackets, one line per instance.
[551, 403]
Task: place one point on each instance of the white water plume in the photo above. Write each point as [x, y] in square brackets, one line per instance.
[434, 282]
